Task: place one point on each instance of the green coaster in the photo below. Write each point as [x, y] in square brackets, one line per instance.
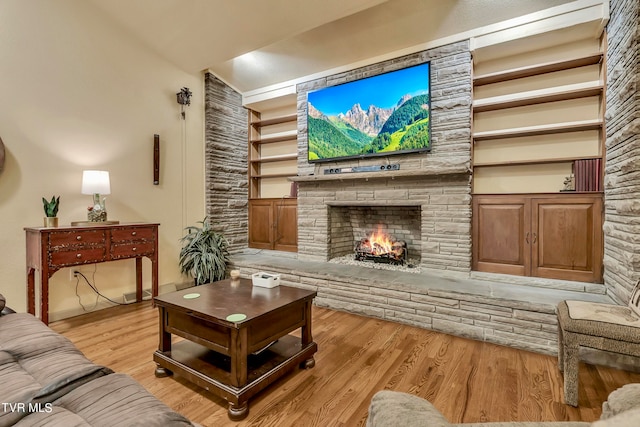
[237, 317]
[191, 296]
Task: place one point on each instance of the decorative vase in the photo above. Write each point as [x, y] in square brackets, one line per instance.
[50, 221]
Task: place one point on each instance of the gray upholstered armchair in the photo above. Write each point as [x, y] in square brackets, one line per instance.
[391, 408]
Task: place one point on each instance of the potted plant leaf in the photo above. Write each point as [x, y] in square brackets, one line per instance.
[51, 211]
[204, 253]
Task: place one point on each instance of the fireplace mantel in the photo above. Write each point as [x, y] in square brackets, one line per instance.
[357, 203]
[449, 169]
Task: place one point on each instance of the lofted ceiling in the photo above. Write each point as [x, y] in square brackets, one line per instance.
[252, 44]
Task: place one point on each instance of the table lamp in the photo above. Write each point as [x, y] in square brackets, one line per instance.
[96, 183]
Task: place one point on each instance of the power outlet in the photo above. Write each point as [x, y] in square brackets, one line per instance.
[72, 274]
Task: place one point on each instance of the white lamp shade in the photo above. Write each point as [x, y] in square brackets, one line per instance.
[95, 182]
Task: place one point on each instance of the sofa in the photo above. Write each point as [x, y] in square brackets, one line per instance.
[46, 380]
[392, 408]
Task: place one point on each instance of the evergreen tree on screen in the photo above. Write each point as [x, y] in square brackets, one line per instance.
[409, 112]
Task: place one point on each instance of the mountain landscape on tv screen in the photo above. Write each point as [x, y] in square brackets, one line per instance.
[357, 132]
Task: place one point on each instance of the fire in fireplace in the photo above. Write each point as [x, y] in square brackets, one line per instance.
[380, 247]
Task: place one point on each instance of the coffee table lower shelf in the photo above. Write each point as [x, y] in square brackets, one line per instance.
[211, 370]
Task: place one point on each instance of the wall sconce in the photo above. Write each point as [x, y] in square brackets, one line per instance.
[96, 183]
[184, 98]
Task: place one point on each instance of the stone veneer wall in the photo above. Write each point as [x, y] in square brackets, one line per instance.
[622, 170]
[226, 189]
[444, 192]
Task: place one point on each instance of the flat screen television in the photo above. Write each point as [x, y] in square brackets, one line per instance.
[376, 116]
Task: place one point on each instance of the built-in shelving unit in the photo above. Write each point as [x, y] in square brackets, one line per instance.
[258, 139]
[522, 106]
[537, 159]
[272, 159]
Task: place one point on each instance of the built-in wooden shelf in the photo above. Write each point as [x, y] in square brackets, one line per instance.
[561, 93]
[275, 121]
[280, 158]
[534, 70]
[272, 175]
[548, 129]
[533, 161]
[279, 137]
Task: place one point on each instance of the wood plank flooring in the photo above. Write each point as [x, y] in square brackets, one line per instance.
[468, 381]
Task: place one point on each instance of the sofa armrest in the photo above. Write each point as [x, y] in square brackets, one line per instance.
[626, 419]
[623, 399]
[392, 408]
[3, 308]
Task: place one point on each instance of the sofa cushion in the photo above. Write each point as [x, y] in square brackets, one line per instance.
[37, 363]
[599, 319]
[110, 401]
[623, 399]
[629, 418]
[52, 416]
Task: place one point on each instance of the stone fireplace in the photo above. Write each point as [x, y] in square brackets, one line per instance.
[348, 224]
[430, 212]
[427, 202]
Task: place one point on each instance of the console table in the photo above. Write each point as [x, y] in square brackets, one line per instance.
[50, 249]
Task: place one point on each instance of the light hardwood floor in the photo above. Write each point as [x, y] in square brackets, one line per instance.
[468, 381]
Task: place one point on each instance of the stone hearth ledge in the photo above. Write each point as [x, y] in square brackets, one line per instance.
[514, 315]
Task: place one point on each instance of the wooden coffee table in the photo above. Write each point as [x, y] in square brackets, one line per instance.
[235, 359]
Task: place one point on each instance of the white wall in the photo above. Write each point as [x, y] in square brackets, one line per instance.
[79, 93]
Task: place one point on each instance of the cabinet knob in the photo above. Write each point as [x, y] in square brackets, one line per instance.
[133, 233]
[78, 237]
[78, 255]
[134, 249]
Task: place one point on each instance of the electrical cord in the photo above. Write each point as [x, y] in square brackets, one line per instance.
[80, 299]
[95, 289]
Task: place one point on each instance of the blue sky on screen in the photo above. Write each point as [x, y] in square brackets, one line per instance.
[383, 91]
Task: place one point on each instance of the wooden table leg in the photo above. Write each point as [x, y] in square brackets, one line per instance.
[154, 277]
[44, 297]
[164, 344]
[31, 290]
[239, 357]
[138, 279]
[238, 411]
[307, 337]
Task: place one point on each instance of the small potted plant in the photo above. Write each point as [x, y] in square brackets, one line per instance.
[204, 253]
[51, 211]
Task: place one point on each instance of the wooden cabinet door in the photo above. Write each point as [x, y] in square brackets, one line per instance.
[260, 224]
[554, 236]
[273, 224]
[286, 225]
[501, 226]
[567, 238]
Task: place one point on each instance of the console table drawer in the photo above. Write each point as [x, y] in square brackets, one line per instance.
[129, 234]
[69, 238]
[80, 256]
[131, 249]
